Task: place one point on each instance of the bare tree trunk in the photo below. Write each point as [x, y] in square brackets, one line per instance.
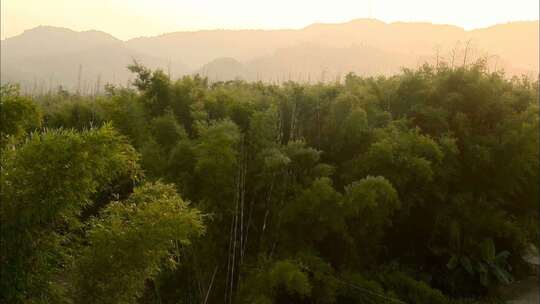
[210, 286]
[229, 255]
[467, 45]
[293, 123]
[79, 75]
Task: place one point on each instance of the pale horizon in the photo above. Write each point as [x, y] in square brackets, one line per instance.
[131, 19]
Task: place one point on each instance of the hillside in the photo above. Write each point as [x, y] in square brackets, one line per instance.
[515, 42]
[46, 56]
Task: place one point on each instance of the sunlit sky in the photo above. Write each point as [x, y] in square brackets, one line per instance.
[126, 19]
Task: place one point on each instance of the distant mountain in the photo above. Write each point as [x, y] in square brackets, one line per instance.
[225, 68]
[45, 40]
[317, 52]
[516, 42]
[310, 63]
[45, 57]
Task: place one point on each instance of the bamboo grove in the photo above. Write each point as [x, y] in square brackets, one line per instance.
[416, 188]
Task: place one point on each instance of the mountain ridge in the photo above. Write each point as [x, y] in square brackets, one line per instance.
[372, 47]
[283, 29]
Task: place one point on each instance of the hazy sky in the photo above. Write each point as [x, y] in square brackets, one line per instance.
[131, 18]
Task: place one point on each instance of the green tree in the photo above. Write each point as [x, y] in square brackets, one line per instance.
[46, 182]
[370, 205]
[130, 243]
[18, 114]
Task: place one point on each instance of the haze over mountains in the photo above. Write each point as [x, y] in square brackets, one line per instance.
[45, 57]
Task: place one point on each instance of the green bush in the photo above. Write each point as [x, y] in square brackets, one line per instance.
[410, 290]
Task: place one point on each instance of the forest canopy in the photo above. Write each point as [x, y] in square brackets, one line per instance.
[421, 187]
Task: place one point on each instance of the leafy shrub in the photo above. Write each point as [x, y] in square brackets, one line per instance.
[411, 290]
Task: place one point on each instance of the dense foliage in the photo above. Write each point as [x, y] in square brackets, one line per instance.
[416, 188]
